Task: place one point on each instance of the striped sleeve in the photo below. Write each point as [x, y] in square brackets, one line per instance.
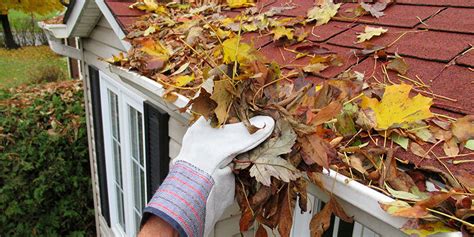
[181, 199]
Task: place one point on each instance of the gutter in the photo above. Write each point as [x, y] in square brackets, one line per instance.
[55, 33]
[357, 197]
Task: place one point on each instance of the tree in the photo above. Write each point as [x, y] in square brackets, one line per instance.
[28, 6]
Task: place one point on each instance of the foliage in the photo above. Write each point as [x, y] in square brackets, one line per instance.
[44, 168]
[368, 130]
[23, 65]
[41, 7]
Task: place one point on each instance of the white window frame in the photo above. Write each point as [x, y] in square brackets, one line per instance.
[126, 98]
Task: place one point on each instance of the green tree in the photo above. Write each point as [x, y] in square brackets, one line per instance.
[28, 6]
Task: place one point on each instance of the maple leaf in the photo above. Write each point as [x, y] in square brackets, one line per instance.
[280, 32]
[323, 14]
[370, 32]
[397, 109]
[234, 50]
[374, 9]
[222, 96]
[240, 3]
[266, 157]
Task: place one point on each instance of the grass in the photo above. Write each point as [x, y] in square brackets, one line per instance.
[23, 65]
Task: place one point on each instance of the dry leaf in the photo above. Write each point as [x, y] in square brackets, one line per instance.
[399, 65]
[315, 68]
[183, 80]
[261, 232]
[239, 3]
[322, 14]
[463, 128]
[376, 9]
[451, 147]
[369, 33]
[397, 109]
[420, 228]
[223, 98]
[418, 150]
[320, 222]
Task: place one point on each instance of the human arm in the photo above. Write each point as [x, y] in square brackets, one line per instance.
[200, 184]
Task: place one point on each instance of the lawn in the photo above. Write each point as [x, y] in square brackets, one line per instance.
[26, 64]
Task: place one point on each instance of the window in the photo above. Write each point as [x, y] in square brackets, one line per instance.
[122, 112]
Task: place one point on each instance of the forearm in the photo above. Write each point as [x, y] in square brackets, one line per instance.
[157, 227]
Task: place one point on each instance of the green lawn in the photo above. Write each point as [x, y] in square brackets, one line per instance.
[23, 21]
[27, 64]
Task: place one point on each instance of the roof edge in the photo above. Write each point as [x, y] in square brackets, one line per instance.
[113, 23]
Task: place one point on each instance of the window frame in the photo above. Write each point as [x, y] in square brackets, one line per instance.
[126, 99]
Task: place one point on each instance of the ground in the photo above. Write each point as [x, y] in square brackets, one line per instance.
[26, 64]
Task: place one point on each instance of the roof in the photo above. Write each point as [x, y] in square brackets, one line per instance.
[428, 33]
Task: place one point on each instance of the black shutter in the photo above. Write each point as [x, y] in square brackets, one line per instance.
[94, 82]
[156, 146]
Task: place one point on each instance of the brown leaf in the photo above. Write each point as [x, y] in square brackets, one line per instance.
[436, 199]
[399, 65]
[339, 211]
[261, 196]
[321, 221]
[418, 150]
[451, 147]
[403, 182]
[223, 97]
[286, 212]
[202, 105]
[246, 220]
[301, 186]
[463, 128]
[317, 149]
[261, 232]
[327, 113]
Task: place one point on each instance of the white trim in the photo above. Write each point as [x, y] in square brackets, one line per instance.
[57, 45]
[113, 23]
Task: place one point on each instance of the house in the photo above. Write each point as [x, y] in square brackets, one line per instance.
[133, 132]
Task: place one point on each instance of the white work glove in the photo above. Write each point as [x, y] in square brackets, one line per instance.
[200, 185]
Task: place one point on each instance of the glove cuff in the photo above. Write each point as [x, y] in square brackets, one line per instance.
[181, 199]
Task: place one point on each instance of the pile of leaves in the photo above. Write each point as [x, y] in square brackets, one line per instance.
[45, 186]
[375, 133]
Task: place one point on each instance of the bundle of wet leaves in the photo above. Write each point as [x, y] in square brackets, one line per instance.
[376, 134]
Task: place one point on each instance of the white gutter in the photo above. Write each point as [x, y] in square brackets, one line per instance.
[350, 191]
[55, 33]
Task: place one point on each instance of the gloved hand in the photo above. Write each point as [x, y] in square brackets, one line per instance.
[200, 184]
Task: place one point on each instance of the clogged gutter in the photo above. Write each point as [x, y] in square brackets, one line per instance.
[358, 128]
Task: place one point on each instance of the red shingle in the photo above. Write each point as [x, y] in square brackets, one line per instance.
[395, 15]
[453, 19]
[467, 59]
[457, 3]
[324, 32]
[431, 45]
[126, 21]
[122, 9]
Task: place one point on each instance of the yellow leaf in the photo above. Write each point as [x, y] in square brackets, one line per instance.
[322, 14]
[280, 32]
[223, 98]
[315, 68]
[369, 33]
[239, 3]
[155, 48]
[233, 51]
[397, 109]
[222, 34]
[183, 80]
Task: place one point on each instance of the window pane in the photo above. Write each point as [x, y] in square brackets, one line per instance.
[137, 222]
[114, 114]
[117, 163]
[137, 185]
[144, 198]
[120, 208]
[140, 139]
[134, 132]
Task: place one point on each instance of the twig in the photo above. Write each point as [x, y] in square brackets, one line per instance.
[426, 154]
[444, 116]
[451, 217]
[446, 167]
[457, 162]
[460, 155]
[355, 98]
[435, 95]
[246, 198]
